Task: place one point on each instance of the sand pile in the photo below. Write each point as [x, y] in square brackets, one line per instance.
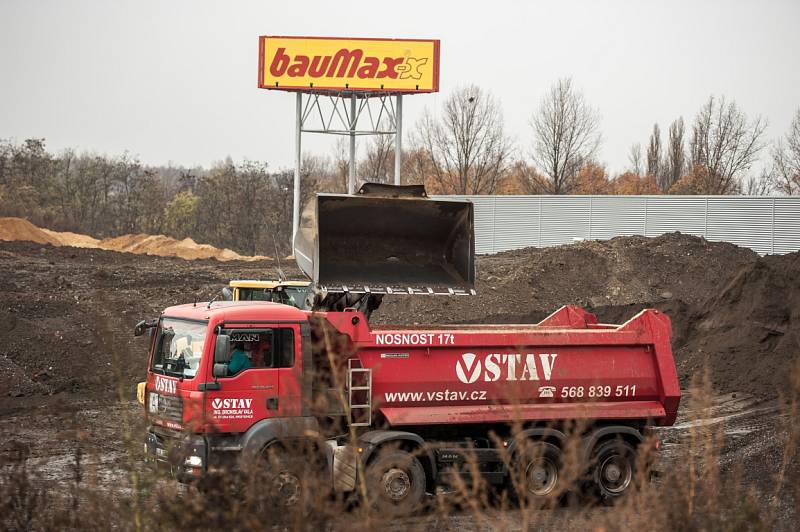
[12, 229]
[20, 229]
[164, 246]
[75, 240]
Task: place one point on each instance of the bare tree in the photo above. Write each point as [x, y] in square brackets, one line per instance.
[725, 144]
[378, 164]
[785, 175]
[341, 164]
[467, 148]
[675, 158]
[654, 154]
[531, 180]
[566, 136]
[759, 185]
[635, 159]
[416, 166]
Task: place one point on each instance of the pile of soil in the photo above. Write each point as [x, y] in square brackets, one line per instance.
[749, 333]
[68, 314]
[66, 238]
[525, 285]
[13, 229]
[21, 229]
[164, 246]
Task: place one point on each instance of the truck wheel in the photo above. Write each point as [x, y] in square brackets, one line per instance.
[539, 471]
[395, 483]
[615, 464]
[287, 480]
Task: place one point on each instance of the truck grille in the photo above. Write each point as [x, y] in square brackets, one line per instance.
[170, 407]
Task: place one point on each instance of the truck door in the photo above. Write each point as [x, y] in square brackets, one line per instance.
[251, 390]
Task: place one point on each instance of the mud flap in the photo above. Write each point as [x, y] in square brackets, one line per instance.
[345, 465]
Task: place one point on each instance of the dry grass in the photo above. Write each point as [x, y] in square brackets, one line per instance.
[693, 493]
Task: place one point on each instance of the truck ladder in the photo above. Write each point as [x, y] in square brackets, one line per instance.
[360, 409]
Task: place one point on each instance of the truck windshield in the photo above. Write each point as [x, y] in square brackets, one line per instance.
[288, 295]
[255, 294]
[292, 295]
[179, 347]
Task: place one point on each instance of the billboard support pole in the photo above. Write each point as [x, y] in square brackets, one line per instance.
[297, 163]
[351, 180]
[398, 138]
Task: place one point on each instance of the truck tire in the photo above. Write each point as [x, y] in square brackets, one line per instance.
[395, 482]
[539, 472]
[289, 482]
[614, 469]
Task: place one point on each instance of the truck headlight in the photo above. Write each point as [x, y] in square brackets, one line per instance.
[193, 461]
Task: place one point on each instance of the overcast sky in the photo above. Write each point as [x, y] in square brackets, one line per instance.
[176, 81]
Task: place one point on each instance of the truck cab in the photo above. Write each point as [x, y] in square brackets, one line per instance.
[217, 370]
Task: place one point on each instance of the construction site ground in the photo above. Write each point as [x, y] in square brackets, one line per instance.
[69, 361]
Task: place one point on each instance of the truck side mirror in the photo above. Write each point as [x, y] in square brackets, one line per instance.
[222, 349]
[227, 294]
[219, 370]
[139, 328]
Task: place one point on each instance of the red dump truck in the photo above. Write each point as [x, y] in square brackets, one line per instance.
[406, 406]
[431, 395]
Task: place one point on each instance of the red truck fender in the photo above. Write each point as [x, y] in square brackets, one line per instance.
[538, 434]
[371, 441]
[629, 434]
[280, 429]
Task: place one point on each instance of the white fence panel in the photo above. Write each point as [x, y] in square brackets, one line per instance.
[765, 224]
[744, 221]
[617, 215]
[564, 219]
[787, 225]
[516, 222]
[667, 214]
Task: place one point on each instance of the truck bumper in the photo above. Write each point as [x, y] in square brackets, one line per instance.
[184, 456]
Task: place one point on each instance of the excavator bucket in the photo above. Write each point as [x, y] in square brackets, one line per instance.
[387, 238]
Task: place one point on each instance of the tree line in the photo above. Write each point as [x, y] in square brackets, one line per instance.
[461, 148]
[464, 150]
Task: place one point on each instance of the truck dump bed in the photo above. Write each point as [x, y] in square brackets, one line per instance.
[566, 367]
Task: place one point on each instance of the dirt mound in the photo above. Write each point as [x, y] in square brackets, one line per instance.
[530, 283]
[13, 229]
[19, 229]
[749, 333]
[68, 314]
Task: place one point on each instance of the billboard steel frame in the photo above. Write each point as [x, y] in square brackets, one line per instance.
[327, 112]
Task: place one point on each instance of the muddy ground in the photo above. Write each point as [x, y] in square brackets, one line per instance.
[69, 362]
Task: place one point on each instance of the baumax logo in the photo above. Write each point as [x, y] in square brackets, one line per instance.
[505, 366]
[345, 63]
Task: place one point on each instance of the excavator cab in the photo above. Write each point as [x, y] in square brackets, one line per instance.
[387, 239]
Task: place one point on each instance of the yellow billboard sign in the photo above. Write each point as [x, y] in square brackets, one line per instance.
[318, 63]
